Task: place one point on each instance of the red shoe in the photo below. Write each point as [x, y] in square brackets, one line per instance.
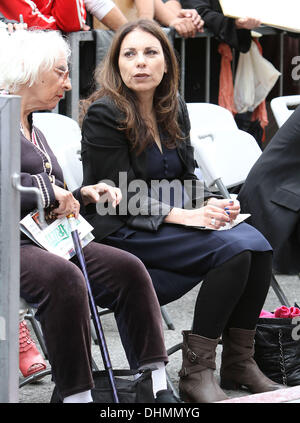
[30, 359]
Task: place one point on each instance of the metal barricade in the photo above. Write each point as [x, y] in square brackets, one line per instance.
[73, 96]
[9, 248]
[207, 35]
[75, 38]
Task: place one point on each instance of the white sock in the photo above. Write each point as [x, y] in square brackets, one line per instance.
[81, 397]
[159, 379]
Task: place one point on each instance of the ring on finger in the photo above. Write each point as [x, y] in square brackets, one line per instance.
[213, 221]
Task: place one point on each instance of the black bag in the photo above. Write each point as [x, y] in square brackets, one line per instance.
[244, 122]
[277, 350]
[129, 391]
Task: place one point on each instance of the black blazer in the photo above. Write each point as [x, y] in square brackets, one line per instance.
[271, 194]
[106, 152]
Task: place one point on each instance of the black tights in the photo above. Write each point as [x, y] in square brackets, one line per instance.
[233, 294]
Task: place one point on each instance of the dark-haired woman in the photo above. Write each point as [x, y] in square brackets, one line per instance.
[136, 135]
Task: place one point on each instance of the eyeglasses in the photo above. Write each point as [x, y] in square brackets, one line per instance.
[62, 72]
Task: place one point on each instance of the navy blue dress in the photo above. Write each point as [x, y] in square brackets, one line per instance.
[178, 257]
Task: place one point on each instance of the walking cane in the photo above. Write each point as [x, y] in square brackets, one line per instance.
[95, 316]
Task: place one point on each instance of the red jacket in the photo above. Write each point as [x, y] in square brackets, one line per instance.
[66, 15]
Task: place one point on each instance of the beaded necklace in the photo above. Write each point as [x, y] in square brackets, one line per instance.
[41, 150]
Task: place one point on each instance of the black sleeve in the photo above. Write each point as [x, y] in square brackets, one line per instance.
[222, 26]
[42, 182]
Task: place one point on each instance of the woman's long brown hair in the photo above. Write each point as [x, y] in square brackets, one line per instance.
[107, 75]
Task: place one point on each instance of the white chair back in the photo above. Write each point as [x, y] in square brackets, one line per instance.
[63, 135]
[206, 117]
[225, 155]
[222, 151]
[280, 107]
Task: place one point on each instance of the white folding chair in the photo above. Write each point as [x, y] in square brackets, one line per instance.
[63, 135]
[207, 116]
[225, 157]
[224, 153]
[282, 107]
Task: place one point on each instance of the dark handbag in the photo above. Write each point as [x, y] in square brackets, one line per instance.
[277, 350]
[129, 390]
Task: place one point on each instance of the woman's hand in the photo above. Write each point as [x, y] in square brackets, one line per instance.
[11, 27]
[231, 207]
[209, 216]
[101, 192]
[247, 23]
[85, 27]
[184, 26]
[194, 16]
[187, 23]
[67, 203]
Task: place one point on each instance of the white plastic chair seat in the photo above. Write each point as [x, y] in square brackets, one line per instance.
[63, 135]
[280, 107]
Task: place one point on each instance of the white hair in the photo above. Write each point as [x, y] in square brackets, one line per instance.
[24, 54]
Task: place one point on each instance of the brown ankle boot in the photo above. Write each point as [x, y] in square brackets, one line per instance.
[238, 366]
[197, 382]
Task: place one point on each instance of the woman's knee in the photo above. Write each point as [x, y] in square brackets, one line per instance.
[43, 274]
[72, 281]
[66, 281]
[127, 268]
[242, 260]
[261, 265]
[266, 257]
[240, 263]
[137, 286]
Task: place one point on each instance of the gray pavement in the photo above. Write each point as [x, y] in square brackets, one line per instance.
[181, 313]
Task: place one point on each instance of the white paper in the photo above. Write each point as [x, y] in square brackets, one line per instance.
[56, 236]
[240, 218]
[283, 15]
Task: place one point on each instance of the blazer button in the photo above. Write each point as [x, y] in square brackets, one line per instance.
[47, 165]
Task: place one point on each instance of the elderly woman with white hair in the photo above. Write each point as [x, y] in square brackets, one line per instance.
[34, 65]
